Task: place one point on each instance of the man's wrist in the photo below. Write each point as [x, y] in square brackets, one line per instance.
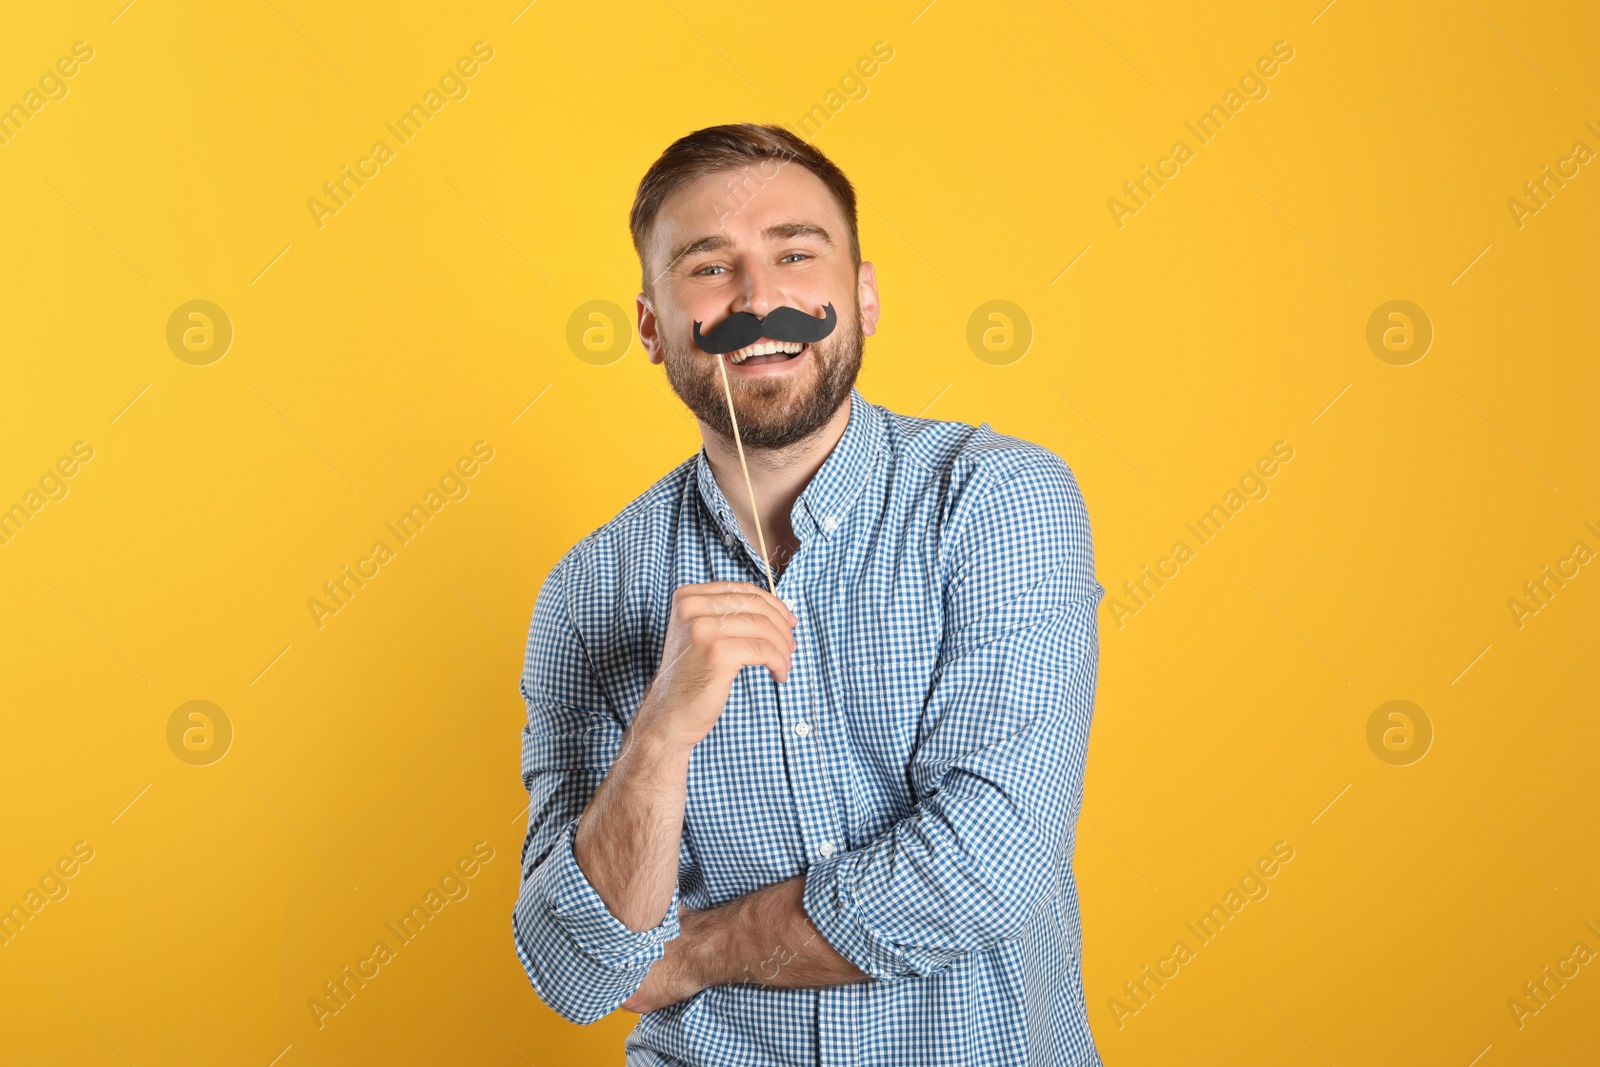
[710, 949]
[650, 742]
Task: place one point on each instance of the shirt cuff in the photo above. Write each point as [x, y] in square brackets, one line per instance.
[829, 904]
[577, 907]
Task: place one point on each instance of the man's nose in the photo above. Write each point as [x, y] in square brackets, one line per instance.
[761, 292]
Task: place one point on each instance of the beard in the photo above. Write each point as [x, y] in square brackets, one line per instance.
[775, 411]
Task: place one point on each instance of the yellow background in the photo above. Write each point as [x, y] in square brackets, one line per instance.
[368, 355]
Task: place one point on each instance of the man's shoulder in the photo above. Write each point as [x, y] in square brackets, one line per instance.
[1015, 496]
[1004, 504]
[967, 462]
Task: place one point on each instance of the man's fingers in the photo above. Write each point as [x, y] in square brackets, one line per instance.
[739, 592]
[745, 589]
[751, 650]
[742, 598]
[758, 651]
[744, 639]
[776, 631]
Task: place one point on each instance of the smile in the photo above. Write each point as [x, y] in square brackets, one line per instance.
[766, 352]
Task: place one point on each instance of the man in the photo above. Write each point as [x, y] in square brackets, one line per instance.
[835, 825]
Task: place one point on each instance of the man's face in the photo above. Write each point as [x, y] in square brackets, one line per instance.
[752, 240]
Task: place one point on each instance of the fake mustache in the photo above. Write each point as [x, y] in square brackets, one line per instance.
[781, 324]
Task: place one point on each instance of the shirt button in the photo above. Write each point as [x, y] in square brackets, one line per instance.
[826, 848]
[802, 728]
[830, 523]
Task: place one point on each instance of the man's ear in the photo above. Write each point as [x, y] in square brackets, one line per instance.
[649, 329]
[867, 292]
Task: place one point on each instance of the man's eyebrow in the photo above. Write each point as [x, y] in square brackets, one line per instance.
[786, 230]
[779, 232]
[694, 248]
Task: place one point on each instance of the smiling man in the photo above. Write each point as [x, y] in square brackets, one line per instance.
[835, 825]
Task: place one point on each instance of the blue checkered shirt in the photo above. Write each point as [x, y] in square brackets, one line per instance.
[922, 765]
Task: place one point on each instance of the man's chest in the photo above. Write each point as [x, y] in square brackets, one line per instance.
[797, 770]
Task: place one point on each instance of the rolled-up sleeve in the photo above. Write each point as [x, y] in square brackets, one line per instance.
[997, 774]
[582, 961]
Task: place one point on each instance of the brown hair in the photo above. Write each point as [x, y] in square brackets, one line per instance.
[731, 147]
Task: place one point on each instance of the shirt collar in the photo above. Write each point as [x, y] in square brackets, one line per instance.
[823, 505]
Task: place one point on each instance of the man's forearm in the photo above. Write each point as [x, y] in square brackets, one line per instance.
[765, 938]
[627, 841]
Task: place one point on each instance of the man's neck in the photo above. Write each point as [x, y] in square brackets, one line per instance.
[777, 476]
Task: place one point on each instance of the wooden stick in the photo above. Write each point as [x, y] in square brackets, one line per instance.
[728, 391]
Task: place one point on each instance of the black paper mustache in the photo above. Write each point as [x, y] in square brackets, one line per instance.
[781, 324]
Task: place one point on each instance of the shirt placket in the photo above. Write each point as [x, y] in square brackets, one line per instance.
[801, 721]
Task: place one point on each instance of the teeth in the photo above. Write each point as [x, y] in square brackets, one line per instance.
[766, 349]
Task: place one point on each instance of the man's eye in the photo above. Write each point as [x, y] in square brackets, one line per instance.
[802, 255]
[713, 266]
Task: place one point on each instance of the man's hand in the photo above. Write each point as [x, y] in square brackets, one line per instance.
[677, 975]
[714, 631]
[762, 938]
